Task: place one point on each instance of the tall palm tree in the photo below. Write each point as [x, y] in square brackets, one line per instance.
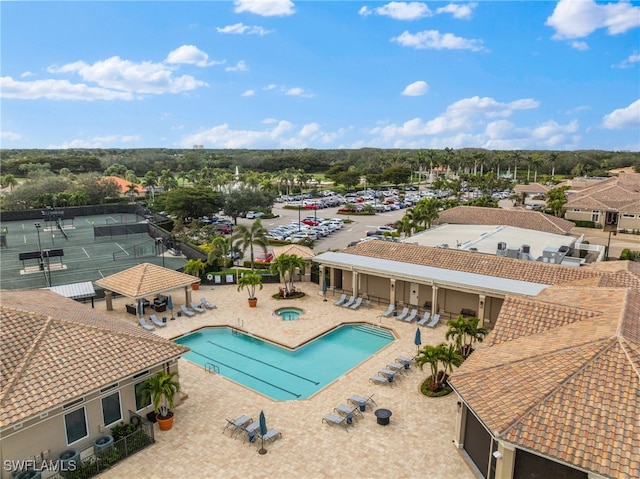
[220, 248]
[150, 181]
[245, 238]
[465, 332]
[8, 181]
[286, 265]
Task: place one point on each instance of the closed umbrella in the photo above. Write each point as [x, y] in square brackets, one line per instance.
[418, 339]
[324, 289]
[263, 431]
[170, 306]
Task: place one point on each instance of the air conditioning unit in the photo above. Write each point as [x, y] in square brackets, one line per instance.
[526, 249]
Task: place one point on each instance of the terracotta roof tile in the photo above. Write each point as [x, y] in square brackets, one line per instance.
[614, 193]
[533, 220]
[145, 280]
[531, 188]
[48, 339]
[300, 251]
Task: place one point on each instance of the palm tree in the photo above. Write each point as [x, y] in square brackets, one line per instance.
[466, 332]
[431, 355]
[286, 265]
[162, 389]
[150, 181]
[406, 224]
[449, 358]
[220, 248]
[246, 237]
[8, 181]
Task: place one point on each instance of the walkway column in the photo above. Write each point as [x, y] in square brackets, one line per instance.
[108, 296]
[505, 460]
[434, 299]
[354, 283]
[482, 300]
[392, 291]
[322, 275]
[187, 295]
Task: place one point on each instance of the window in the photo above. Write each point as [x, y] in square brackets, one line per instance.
[595, 216]
[111, 409]
[76, 425]
[628, 215]
[140, 403]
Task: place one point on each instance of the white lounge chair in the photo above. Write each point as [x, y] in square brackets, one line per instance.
[434, 321]
[389, 311]
[341, 299]
[412, 316]
[346, 410]
[196, 308]
[145, 325]
[237, 424]
[271, 435]
[380, 380]
[355, 399]
[186, 311]
[156, 321]
[351, 300]
[331, 419]
[425, 319]
[404, 312]
[207, 304]
[356, 304]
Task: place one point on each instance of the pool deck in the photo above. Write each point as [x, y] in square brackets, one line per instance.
[417, 442]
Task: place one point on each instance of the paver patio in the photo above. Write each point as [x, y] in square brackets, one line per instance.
[417, 443]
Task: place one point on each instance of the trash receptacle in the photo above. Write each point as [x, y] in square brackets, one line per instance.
[179, 314]
[349, 419]
[362, 405]
[164, 319]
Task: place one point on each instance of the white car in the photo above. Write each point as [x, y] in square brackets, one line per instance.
[252, 215]
[385, 228]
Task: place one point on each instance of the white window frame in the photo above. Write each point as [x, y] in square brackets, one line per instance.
[119, 407]
[136, 398]
[595, 216]
[66, 430]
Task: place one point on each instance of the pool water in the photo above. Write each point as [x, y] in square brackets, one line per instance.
[280, 373]
[289, 314]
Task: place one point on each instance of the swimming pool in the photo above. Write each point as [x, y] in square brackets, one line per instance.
[280, 373]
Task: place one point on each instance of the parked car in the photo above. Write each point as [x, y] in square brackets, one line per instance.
[252, 215]
[264, 258]
[225, 228]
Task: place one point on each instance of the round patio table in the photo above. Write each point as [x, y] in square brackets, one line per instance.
[383, 416]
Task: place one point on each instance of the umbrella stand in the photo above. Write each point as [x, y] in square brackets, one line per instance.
[263, 431]
[262, 450]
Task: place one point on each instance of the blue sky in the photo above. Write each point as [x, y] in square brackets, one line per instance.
[321, 74]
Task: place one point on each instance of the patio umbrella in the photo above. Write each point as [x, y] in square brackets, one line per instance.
[324, 289]
[418, 339]
[263, 431]
[170, 305]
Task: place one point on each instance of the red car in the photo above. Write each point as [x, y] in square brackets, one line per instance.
[264, 258]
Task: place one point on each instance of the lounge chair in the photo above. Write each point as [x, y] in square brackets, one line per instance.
[341, 299]
[355, 399]
[346, 410]
[396, 367]
[196, 308]
[271, 435]
[207, 304]
[185, 311]
[389, 311]
[412, 316]
[356, 304]
[404, 312]
[145, 325]
[390, 374]
[156, 321]
[380, 380]
[434, 321]
[252, 430]
[352, 299]
[425, 319]
[331, 419]
[238, 424]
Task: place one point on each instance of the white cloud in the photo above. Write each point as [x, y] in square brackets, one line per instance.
[399, 10]
[57, 90]
[9, 135]
[578, 19]
[241, 66]
[249, 93]
[97, 142]
[265, 8]
[622, 118]
[190, 55]
[434, 40]
[463, 12]
[580, 46]
[123, 75]
[242, 29]
[297, 91]
[417, 88]
[628, 62]
[27, 74]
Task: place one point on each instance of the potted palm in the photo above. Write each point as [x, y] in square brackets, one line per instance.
[195, 267]
[250, 281]
[162, 389]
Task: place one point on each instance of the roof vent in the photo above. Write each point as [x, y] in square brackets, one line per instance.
[502, 246]
[526, 248]
[473, 250]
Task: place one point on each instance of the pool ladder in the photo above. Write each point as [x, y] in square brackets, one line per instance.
[211, 368]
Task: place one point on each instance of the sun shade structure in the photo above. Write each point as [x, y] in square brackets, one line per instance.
[146, 280]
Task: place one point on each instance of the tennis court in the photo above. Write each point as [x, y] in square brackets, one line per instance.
[72, 253]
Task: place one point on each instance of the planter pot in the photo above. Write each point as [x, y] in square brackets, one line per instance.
[195, 286]
[253, 302]
[165, 423]
[102, 444]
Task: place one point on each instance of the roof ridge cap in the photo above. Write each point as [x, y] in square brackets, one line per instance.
[624, 344]
[26, 359]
